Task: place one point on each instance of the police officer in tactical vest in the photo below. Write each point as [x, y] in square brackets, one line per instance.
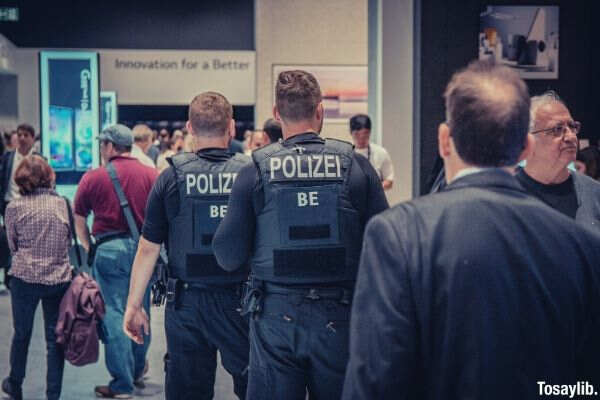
[297, 214]
[184, 210]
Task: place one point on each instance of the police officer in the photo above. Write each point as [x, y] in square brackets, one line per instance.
[297, 215]
[184, 209]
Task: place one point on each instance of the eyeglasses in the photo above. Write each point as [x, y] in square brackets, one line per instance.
[560, 130]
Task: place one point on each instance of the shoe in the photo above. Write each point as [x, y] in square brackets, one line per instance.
[12, 392]
[139, 381]
[106, 393]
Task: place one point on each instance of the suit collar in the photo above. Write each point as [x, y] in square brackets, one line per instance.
[489, 178]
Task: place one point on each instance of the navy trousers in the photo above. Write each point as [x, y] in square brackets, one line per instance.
[297, 345]
[202, 321]
[25, 298]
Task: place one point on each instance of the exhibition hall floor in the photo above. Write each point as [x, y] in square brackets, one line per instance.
[79, 382]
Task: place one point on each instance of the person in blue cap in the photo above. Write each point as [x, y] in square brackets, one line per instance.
[114, 248]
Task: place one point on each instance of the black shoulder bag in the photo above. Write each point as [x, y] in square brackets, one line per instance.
[158, 279]
[75, 252]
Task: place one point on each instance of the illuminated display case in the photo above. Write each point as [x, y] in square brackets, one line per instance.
[70, 112]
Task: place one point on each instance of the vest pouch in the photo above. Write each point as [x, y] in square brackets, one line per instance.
[207, 215]
[309, 232]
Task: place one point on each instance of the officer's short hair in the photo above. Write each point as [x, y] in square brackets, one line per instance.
[210, 114]
[487, 109]
[297, 95]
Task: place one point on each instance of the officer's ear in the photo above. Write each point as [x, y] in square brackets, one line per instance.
[232, 128]
[188, 127]
[276, 114]
[320, 111]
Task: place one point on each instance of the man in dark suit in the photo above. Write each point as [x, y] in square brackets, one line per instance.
[480, 291]
[8, 166]
[8, 188]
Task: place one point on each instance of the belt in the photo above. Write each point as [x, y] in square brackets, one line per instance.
[103, 238]
[313, 293]
[108, 236]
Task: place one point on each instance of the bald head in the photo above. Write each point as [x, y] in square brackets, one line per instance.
[487, 109]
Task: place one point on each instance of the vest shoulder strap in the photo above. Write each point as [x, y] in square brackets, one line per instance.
[265, 152]
[179, 160]
[339, 146]
[241, 158]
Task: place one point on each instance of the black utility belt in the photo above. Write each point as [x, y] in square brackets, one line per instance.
[175, 287]
[103, 238]
[310, 292]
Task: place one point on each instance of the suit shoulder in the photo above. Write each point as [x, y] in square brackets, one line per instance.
[588, 182]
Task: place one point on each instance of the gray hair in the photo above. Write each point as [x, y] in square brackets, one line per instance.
[537, 102]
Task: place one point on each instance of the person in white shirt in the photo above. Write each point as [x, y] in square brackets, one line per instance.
[360, 129]
[142, 141]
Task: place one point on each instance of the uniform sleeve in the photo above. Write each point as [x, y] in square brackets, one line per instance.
[234, 239]
[371, 201]
[383, 338]
[156, 222]
[81, 202]
[387, 169]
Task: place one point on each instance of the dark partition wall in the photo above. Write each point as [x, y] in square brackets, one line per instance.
[174, 117]
[449, 31]
[132, 24]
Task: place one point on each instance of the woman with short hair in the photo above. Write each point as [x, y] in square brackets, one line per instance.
[39, 237]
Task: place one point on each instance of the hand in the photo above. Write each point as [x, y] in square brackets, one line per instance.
[136, 324]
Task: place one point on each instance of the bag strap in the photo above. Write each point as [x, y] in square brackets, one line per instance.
[73, 233]
[133, 229]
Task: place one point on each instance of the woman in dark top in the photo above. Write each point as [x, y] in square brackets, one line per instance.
[37, 227]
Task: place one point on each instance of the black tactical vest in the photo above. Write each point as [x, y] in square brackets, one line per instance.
[204, 187]
[308, 231]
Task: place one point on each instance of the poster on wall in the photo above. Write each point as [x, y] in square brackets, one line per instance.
[345, 88]
[521, 37]
[69, 112]
[108, 109]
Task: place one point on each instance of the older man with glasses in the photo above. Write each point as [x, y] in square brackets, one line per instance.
[546, 174]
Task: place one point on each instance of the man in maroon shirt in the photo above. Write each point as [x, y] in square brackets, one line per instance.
[114, 256]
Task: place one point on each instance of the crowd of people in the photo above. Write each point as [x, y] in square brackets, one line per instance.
[284, 257]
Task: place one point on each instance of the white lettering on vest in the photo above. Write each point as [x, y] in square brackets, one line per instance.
[300, 173]
[218, 211]
[190, 182]
[308, 199]
[330, 164]
[308, 166]
[275, 165]
[288, 161]
[216, 184]
[316, 172]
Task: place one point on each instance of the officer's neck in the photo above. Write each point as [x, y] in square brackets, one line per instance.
[297, 128]
[203, 142]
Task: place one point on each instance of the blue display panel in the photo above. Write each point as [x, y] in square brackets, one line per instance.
[70, 112]
[108, 109]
